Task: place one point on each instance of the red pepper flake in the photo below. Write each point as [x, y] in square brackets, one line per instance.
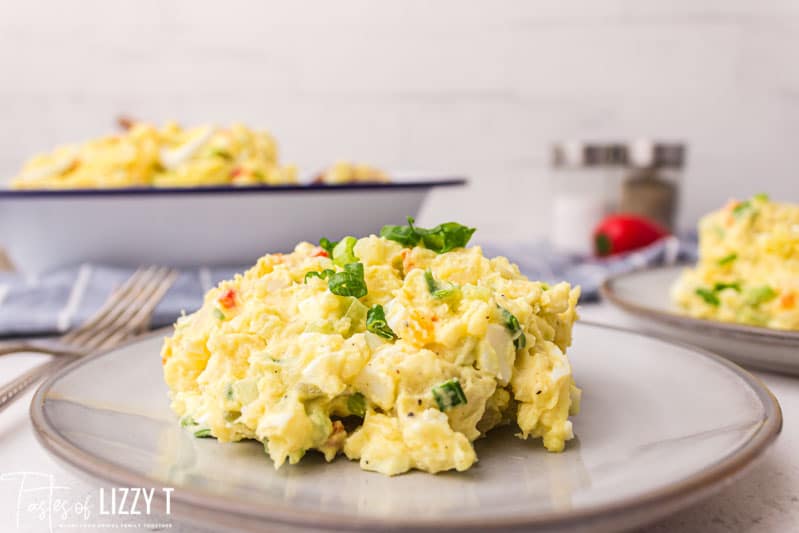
[228, 299]
[236, 172]
[321, 253]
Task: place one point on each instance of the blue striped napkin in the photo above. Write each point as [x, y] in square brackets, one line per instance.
[64, 298]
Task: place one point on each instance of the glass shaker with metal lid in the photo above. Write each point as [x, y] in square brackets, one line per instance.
[586, 180]
[651, 185]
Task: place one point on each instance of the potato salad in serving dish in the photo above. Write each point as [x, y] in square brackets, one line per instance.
[170, 156]
[748, 268]
[397, 351]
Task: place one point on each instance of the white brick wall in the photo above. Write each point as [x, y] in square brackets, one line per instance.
[474, 87]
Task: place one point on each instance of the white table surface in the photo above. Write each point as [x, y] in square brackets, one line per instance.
[767, 499]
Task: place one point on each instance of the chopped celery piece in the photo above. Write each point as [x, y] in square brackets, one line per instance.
[356, 312]
[356, 405]
[246, 390]
[760, 295]
[343, 253]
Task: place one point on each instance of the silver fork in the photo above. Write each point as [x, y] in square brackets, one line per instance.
[123, 315]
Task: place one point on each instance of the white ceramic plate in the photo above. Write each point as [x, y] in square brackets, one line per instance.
[645, 296]
[662, 426]
[211, 226]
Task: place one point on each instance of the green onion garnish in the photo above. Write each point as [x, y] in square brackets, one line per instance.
[708, 296]
[744, 208]
[350, 282]
[440, 239]
[736, 286]
[439, 290]
[727, 259]
[376, 323]
[203, 434]
[218, 314]
[448, 394]
[512, 323]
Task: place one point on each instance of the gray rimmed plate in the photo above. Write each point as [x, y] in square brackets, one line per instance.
[644, 295]
[662, 426]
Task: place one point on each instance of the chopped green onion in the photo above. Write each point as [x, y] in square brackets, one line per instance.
[187, 421]
[327, 245]
[736, 286]
[438, 290]
[356, 404]
[742, 209]
[342, 253]
[449, 394]
[219, 314]
[727, 259]
[761, 197]
[350, 282]
[708, 296]
[203, 434]
[326, 273]
[376, 323]
[229, 391]
[512, 323]
[224, 154]
[440, 239]
[760, 295]
[544, 286]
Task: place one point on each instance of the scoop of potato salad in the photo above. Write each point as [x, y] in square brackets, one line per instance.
[748, 268]
[396, 350]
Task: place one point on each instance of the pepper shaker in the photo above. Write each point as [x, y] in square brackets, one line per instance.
[651, 186]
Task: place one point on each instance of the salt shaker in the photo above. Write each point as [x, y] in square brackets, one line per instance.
[586, 180]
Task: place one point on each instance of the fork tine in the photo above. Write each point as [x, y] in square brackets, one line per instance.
[140, 319]
[112, 307]
[118, 305]
[110, 304]
[128, 318]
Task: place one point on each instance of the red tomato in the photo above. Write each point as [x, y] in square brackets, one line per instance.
[624, 233]
[228, 299]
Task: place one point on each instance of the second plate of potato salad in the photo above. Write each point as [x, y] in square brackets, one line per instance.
[396, 350]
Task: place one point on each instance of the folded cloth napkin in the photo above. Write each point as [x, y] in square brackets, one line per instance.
[64, 298]
[539, 261]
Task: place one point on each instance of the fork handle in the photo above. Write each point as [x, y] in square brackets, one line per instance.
[12, 347]
[16, 387]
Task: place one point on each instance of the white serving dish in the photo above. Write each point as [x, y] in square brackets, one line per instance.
[45, 229]
[644, 295]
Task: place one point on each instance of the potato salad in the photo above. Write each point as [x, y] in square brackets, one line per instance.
[171, 156]
[397, 350]
[748, 269]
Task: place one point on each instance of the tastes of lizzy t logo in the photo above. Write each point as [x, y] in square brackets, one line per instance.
[43, 504]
